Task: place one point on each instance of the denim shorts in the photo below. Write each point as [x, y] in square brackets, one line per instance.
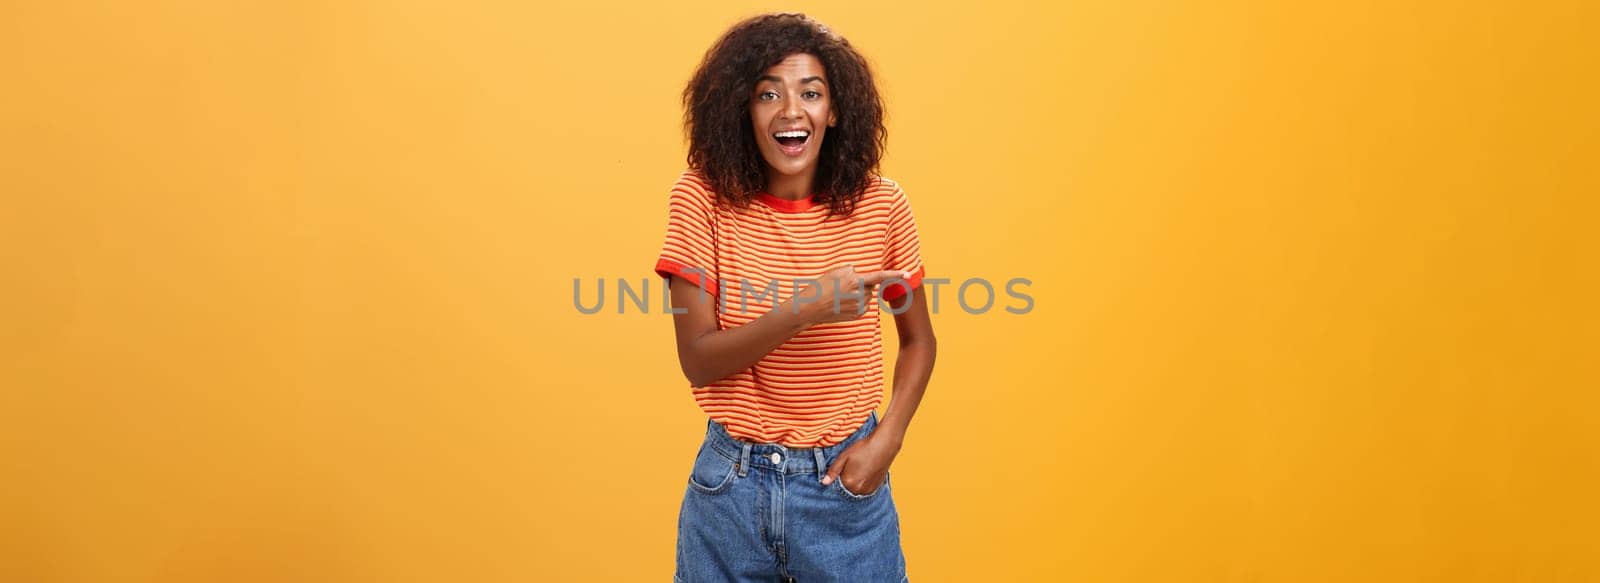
[758, 512]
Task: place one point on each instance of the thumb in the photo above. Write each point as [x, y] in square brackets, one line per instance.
[834, 469]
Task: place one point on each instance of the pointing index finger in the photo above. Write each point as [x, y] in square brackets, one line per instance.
[877, 277]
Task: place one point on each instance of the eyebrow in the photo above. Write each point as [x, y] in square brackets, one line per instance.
[802, 81]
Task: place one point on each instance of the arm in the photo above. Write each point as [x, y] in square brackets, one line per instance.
[868, 459]
[707, 354]
[912, 368]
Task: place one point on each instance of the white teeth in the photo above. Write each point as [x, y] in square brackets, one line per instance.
[792, 134]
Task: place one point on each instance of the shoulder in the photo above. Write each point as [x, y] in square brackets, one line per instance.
[882, 192]
[692, 180]
[691, 187]
[883, 183]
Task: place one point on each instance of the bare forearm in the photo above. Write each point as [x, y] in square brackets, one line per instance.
[708, 354]
[719, 354]
[912, 370]
[918, 350]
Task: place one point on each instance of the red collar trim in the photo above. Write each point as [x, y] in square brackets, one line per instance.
[786, 205]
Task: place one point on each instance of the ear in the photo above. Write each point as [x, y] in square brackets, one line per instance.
[832, 119]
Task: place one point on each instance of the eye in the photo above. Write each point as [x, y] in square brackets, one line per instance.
[767, 95]
[810, 94]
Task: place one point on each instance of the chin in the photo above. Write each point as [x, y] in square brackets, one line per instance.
[790, 168]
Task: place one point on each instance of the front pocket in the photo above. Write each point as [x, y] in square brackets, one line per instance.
[712, 472]
[854, 496]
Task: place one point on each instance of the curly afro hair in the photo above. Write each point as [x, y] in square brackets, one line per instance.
[722, 143]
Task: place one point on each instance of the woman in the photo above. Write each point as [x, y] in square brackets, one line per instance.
[781, 242]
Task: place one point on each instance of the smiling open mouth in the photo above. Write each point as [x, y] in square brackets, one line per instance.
[792, 142]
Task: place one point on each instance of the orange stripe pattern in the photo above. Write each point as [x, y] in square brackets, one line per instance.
[815, 389]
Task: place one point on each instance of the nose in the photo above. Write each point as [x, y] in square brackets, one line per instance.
[791, 109]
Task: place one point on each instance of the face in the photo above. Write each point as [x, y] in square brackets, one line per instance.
[790, 111]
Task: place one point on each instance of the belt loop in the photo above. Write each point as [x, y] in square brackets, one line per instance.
[822, 467]
[744, 459]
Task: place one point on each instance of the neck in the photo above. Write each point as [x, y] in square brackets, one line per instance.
[797, 187]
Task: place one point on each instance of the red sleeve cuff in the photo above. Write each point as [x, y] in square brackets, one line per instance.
[669, 268]
[895, 290]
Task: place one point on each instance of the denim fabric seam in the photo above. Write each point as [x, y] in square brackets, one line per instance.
[722, 486]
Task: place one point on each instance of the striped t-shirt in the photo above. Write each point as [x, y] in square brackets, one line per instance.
[817, 388]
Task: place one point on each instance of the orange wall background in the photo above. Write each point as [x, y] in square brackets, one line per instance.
[288, 289]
